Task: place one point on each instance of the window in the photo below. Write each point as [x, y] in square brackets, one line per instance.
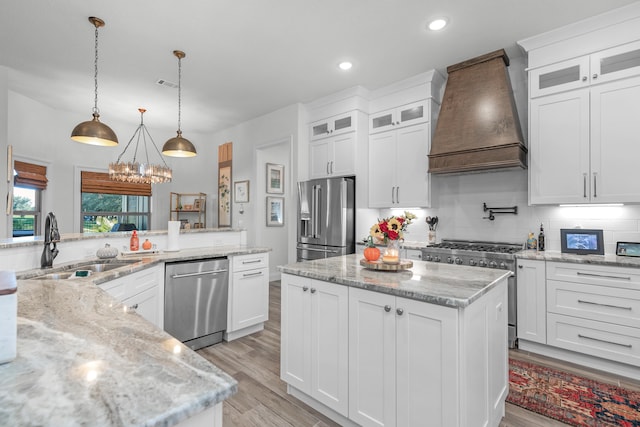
[28, 182]
[108, 205]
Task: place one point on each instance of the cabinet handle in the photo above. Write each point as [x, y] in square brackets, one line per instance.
[584, 78]
[327, 168]
[397, 194]
[305, 288]
[584, 185]
[520, 266]
[331, 168]
[606, 276]
[604, 305]
[387, 308]
[605, 341]
[313, 290]
[392, 200]
[257, 273]
[400, 312]
[134, 307]
[595, 76]
[595, 184]
[253, 261]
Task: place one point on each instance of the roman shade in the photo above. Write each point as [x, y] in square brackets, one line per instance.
[30, 175]
[99, 182]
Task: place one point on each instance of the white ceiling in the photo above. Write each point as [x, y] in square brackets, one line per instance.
[246, 58]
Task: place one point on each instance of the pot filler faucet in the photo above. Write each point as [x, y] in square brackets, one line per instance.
[51, 237]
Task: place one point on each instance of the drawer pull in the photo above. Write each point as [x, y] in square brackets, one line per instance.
[257, 273]
[605, 341]
[604, 305]
[252, 261]
[603, 275]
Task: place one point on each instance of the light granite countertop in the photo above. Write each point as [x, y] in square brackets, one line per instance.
[607, 259]
[436, 283]
[85, 360]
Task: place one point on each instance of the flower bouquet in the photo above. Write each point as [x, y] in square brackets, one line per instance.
[390, 231]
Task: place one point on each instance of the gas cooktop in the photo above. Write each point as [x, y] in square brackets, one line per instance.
[478, 246]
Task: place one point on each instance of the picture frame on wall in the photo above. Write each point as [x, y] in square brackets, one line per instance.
[241, 191]
[275, 211]
[275, 178]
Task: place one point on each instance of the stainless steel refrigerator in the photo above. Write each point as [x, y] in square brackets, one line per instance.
[326, 218]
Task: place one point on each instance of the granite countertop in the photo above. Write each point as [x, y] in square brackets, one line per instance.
[442, 284]
[407, 244]
[607, 259]
[84, 359]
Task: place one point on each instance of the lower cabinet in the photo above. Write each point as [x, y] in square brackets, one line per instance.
[141, 291]
[532, 300]
[314, 340]
[402, 361]
[248, 295]
[381, 360]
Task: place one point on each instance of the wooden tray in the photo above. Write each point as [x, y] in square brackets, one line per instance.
[404, 264]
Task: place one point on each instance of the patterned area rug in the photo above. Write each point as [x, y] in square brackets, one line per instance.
[571, 399]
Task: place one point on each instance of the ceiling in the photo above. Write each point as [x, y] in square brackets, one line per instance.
[246, 58]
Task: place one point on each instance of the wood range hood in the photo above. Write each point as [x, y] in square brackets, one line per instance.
[478, 128]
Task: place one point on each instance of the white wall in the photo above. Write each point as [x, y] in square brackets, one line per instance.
[4, 141]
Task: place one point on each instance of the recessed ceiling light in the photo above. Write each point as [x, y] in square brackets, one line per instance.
[346, 65]
[438, 24]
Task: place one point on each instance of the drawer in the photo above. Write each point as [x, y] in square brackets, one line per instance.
[132, 284]
[612, 342]
[602, 303]
[603, 275]
[250, 262]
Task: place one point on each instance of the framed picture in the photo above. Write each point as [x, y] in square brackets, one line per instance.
[198, 204]
[275, 178]
[241, 192]
[582, 242]
[275, 211]
[224, 196]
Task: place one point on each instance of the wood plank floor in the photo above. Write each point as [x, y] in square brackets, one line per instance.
[262, 399]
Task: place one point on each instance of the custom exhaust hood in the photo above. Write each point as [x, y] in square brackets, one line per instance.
[478, 127]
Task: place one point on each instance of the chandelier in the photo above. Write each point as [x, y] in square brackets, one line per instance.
[140, 172]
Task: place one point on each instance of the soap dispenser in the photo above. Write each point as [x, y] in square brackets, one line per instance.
[134, 243]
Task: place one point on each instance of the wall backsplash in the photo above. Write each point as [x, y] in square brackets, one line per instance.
[457, 201]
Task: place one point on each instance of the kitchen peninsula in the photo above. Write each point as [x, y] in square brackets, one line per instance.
[372, 347]
[86, 358]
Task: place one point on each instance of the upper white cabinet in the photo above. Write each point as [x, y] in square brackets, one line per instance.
[394, 118]
[335, 125]
[333, 156]
[398, 166]
[584, 104]
[600, 67]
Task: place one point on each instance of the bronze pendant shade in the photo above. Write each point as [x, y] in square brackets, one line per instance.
[179, 146]
[95, 132]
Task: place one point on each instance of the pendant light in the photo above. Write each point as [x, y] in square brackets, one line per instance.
[179, 146]
[93, 131]
[142, 172]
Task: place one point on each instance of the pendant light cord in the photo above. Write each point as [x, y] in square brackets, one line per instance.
[95, 76]
[179, 92]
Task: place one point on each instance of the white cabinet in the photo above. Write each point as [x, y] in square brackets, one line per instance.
[595, 310]
[314, 340]
[583, 143]
[333, 156]
[398, 167]
[248, 295]
[600, 67]
[531, 301]
[406, 115]
[336, 125]
[142, 291]
[402, 361]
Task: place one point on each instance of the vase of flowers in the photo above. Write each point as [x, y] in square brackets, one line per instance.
[390, 231]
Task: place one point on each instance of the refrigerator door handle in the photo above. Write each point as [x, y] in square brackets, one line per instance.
[316, 211]
[318, 250]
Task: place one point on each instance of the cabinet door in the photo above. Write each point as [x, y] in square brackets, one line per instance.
[382, 121]
[616, 63]
[412, 114]
[559, 148]
[343, 159]
[412, 177]
[532, 301]
[343, 123]
[382, 169]
[320, 129]
[295, 343]
[249, 299]
[146, 305]
[330, 345]
[426, 342]
[563, 76]
[319, 159]
[372, 358]
[615, 147]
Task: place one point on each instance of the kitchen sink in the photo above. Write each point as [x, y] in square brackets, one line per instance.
[85, 269]
[98, 267]
[55, 276]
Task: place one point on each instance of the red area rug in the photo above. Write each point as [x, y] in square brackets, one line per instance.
[571, 399]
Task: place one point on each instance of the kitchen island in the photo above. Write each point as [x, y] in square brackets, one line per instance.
[85, 358]
[424, 346]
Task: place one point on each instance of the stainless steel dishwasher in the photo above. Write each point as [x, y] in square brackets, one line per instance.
[195, 301]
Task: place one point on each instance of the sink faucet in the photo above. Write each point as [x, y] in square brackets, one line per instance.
[51, 237]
